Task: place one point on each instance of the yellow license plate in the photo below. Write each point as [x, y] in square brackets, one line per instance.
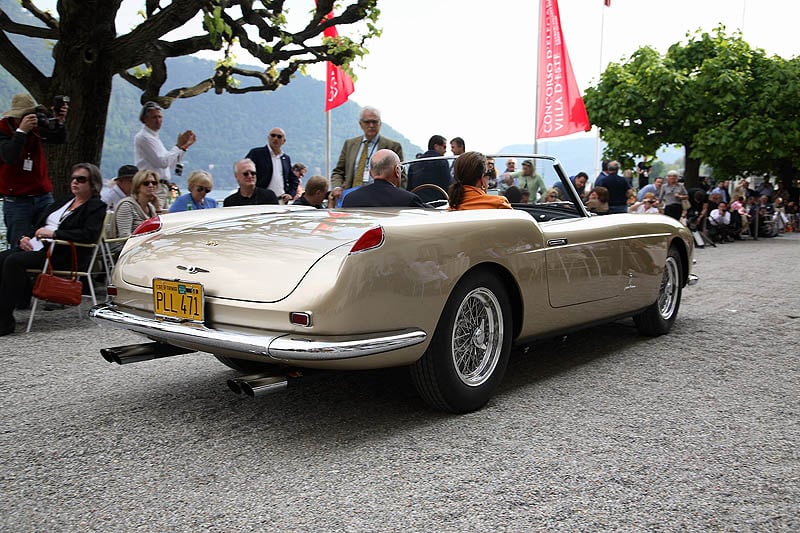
[178, 300]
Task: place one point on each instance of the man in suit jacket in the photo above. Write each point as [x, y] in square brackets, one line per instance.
[385, 191]
[343, 175]
[278, 178]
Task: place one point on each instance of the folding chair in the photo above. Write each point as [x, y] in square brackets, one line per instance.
[110, 246]
[88, 273]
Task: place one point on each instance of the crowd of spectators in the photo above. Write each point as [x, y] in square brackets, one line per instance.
[718, 211]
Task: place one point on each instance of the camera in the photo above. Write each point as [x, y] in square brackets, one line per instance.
[58, 103]
[45, 119]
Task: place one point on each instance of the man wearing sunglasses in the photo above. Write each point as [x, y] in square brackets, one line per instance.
[274, 168]
[352, 169]
[244, 171]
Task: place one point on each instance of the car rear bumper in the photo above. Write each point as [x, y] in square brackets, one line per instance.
[280, 346]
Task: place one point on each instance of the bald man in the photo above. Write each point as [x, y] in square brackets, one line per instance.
[274, 168]
[385, 191]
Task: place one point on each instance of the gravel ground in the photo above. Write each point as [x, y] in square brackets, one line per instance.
[601, 431]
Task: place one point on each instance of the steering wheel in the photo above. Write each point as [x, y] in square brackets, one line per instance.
[429, 193]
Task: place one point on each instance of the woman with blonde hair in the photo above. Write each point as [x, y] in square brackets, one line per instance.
[550, 195]
[200, 184]
[468, 190]
[138, 207]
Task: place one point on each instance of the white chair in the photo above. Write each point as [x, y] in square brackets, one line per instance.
[87, 274]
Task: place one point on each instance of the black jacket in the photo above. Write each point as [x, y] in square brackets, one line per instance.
[83, 225]
[435, 172]
[263, 160]
[381, 193]
[260, 197]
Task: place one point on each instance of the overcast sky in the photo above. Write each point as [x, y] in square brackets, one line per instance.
[454, 67]
[442, 67]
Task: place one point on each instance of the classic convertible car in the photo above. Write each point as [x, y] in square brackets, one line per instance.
[269, 290]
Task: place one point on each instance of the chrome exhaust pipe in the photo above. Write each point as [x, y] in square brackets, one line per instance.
[257, 384]
[135, 353]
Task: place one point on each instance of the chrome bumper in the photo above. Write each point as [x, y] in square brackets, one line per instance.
[272, 345]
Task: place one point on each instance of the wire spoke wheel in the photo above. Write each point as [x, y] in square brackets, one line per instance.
[469, 351]
[670, 283]
[477, 337]
[658, 318]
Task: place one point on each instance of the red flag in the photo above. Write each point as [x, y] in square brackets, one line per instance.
[560, 110]
[607, 3]
[338, 85]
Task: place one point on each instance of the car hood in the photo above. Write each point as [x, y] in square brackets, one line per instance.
[258, 257]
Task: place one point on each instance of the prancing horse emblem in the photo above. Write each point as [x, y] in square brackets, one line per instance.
[192, 269]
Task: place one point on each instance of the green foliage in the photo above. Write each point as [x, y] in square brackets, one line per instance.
[218, 29]
[728, 104]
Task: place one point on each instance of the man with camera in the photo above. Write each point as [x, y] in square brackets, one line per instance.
[150, 153]
[24, 179]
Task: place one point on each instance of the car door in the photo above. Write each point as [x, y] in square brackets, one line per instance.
[584, 260]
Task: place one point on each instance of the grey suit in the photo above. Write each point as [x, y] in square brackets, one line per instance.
[342, 175]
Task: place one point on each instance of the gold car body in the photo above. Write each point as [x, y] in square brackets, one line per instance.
[379, 307]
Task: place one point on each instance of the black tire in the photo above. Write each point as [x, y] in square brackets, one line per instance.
[245, 365]
[475, 322]
[658, 318]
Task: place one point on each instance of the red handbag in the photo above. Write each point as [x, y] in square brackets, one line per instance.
[57, 289]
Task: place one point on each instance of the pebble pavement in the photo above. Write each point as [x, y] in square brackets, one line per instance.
[602, 431]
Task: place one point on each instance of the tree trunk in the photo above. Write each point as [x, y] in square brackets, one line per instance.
[691, 172]
[84, 73]
[786, 173]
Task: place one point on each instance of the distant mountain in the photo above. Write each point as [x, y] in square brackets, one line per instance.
[227, 126]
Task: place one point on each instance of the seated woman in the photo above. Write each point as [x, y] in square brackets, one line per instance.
[79, 219]
[598, 201]
[468, 190]
[550, 195]
[138, 207]
[200, 183]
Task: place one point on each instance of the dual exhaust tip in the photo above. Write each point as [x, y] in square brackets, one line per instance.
[257, 384]
[253, 385]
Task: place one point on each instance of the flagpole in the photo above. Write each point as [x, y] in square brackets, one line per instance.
[599, 75]
[327, 144]
[536, 101]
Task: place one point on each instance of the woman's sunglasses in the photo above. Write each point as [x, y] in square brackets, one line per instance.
[200, 188]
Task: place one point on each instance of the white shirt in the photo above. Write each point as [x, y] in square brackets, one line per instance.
[149, 153]
[112, 195]
[370, 146]
[276, 183]
[718, 219]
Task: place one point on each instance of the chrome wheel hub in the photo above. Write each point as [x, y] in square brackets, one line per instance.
[670, 283]
[477, 338]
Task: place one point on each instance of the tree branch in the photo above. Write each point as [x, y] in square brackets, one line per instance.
[21, 68]
[49, 20]
[8, 25]
[129, 49]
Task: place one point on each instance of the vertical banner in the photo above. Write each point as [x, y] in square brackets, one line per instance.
[338, 85]
[560, 109]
